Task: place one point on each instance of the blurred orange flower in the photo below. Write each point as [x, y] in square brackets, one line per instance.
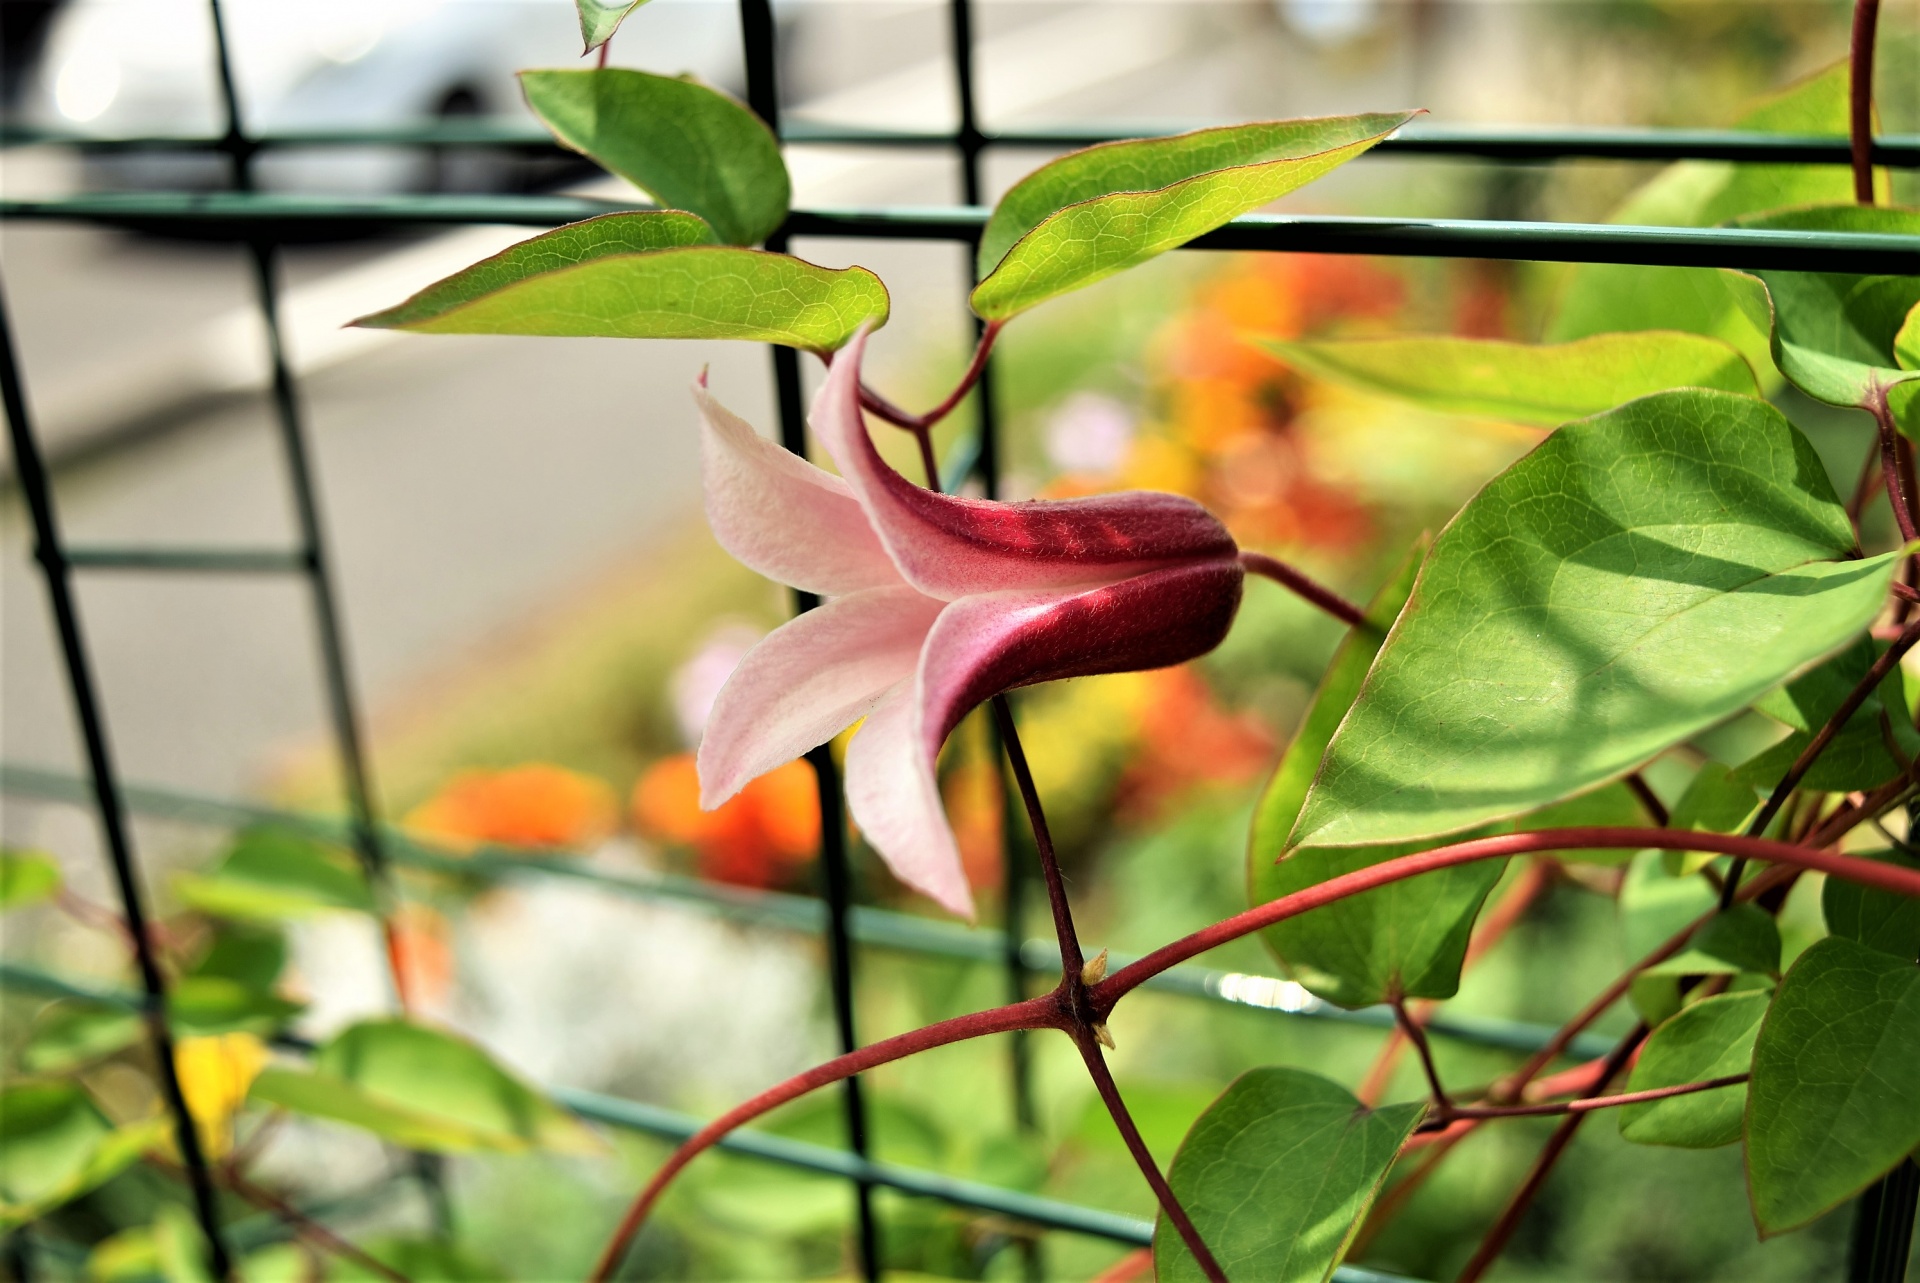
[1186, 740]
[537, 805]
[763, 837]
[421, 950]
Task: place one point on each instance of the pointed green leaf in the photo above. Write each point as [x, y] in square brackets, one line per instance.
[686, 144]
[1101, 210]
[1833, 335]
[55, 1145]
[1543, 385]
[1638, 577]
[1878, 919]
[1713, 1038]
[424, 1088]
[272, 873]
[1832, 1104]
[599, 19]
[645, 276]
[27, 877]
[1603, 297]
[1276, 1176]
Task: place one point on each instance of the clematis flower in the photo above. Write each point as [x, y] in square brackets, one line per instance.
[935, 604]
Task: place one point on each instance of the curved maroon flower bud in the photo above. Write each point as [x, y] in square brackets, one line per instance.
[937, 603]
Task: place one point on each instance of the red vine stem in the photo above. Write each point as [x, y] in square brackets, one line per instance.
[1866, 18]
[1446, 1117]
[1410, 1029]
[1295, 580]
[1875, 403]
[922, 423]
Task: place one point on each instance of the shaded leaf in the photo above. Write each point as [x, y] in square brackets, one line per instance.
[1718, 800]
[599, 19]
[70, 1033]
[1858, 757]
[1833, 334]
[1878, 919]
[55, 1145]
[424, 1260]
[423, 1088]
[1712, 1038]
[1832, 1104]
[250, 954]
[271, 874]
[1543, 385]
[687, 145]
[587, 280]
[1101, 210]
[1276, 1176]
[27, 877]
[1636, 578]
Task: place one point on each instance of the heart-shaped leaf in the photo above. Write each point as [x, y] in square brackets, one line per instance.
[599, 19]
[1713, 1038]
[1878, 919]
[1856, 758]
[1638, 577]
[1276, 1176]
[1832, 1104]
[1544, 385]
[687, 145]
[645, 276]
[1101, 210]
[271, 874]
[55, 1145]
[27, 877]
[1833, 335]
[426, 1089]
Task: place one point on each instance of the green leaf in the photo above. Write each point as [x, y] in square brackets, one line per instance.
[1878, 919]
[420, 1259]
[1833, 335]
[27, 877]
[71, 1033]
[1717, 800]
[599, 19]
[1405, 940]
[1604, 297]
[686, 144]
[1857, 758]
[1276, 1176]
[1101, 210]
[1543, 385]
[586, 280]
[250, 954]
[55, 1145]
[1832, 1104]
[1713, 1038]
[1638, 577]
[426, 1089]
[271, 874]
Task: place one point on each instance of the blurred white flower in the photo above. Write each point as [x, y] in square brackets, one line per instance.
[695, 683]
[1089, 433]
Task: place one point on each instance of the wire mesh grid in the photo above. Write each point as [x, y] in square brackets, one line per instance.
[261, 222]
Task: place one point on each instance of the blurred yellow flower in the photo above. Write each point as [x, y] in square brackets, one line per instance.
[216, 1073]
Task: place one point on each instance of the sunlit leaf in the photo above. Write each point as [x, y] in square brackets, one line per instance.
[1276, 1176]
[70, 1033]
[1095, 212]
[426, 1089]
[55, 1145]
[1878, 919]
[599, 19]
[271, 874]
[645, 276]
[1543, 385]
[1833, 335]
[1638, 577]
[1831, 1106]
[1713, 1038]
[686, 144]
[27, 877]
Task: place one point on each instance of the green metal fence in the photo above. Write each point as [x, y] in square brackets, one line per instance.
[262, 222]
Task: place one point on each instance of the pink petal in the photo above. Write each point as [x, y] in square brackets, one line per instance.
[809, 680]
[894, 797]
[777, 513]
[948, 546]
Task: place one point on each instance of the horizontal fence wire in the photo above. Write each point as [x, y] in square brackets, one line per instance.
[877, 928]
[249, 216]
[1899, 151]
[673, 1125]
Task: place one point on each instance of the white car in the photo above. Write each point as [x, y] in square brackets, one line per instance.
[145, 68]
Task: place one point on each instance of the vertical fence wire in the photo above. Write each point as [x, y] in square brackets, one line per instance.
[50, 552]
[760, 52]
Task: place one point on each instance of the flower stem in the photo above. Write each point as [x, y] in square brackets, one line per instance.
[1289, 577]
[1866, 18]
[1072, 959]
